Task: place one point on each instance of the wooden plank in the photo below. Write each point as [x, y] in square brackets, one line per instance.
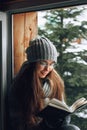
[18, 38]
[24, 29]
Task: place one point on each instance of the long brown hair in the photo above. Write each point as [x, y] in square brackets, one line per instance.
[57, 85]
[29, 90]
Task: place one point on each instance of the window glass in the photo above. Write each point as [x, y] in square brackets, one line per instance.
[67, 28]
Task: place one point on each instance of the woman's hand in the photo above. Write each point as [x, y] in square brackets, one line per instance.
[46, 101]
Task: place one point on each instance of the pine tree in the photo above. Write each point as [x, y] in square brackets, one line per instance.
[63, 27]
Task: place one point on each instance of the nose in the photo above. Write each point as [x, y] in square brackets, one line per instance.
[47, 67]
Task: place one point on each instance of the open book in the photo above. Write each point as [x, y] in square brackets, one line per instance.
[56, 108]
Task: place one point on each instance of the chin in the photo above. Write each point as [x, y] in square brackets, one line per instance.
[42, 76]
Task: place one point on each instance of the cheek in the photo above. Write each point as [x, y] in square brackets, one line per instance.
[39, 69]
[42, 73]
[39, 72]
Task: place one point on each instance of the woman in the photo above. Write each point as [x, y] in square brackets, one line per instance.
[36, 83]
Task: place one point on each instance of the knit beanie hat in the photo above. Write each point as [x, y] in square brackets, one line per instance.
[41, 48]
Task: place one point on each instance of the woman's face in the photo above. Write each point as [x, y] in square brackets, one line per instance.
[44, 67]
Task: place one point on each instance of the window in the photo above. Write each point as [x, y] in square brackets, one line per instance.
[74, 74]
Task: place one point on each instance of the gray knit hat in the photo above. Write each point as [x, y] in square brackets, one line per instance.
[41, 48]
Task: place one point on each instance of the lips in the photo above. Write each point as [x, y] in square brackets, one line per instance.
[44, 73]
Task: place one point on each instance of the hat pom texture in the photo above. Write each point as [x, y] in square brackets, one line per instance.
[41, 49]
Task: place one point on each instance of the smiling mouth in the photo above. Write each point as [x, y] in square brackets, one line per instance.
[43, 73]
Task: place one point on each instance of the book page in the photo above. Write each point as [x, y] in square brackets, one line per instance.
[59, 104]
[80, 102]
[59, 107]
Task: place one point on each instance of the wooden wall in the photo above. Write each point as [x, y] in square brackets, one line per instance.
[24, 29]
